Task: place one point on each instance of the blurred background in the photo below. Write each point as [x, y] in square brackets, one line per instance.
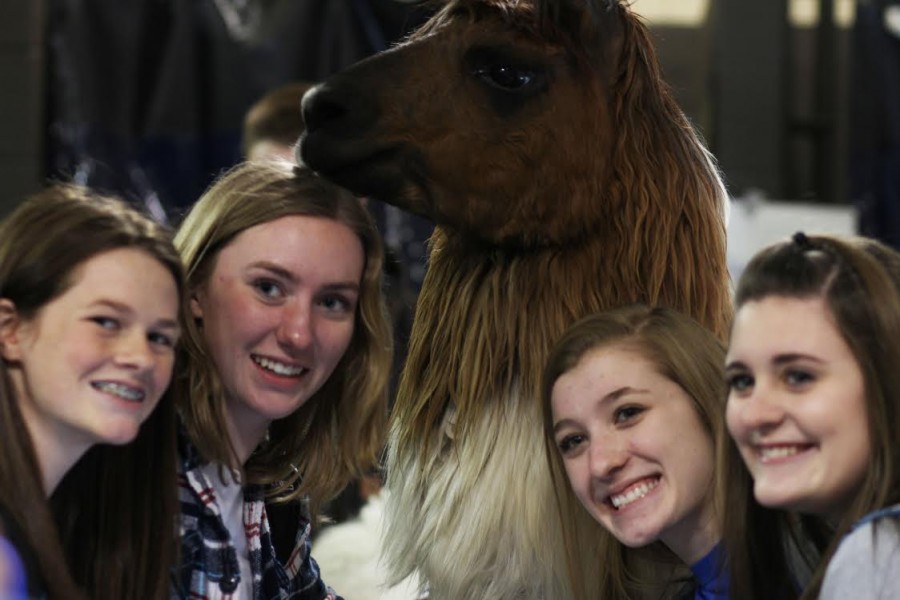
[798, 99]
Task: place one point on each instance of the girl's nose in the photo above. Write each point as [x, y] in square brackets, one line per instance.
[607, 457]
[295, 328]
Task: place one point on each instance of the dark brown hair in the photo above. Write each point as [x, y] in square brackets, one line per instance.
[115, 509]
[275, 117]
[859, 281]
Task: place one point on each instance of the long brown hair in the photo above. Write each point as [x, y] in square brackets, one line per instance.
[115, 509]
[682, 351]
[859, 281]
[336, 435]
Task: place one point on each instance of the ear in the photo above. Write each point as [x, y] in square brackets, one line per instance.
[9, 328]
[196, 306]
[596, 26]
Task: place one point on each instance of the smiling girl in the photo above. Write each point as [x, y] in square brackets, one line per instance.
[633, 407]
[283, 395]
[813, 410]
[90, 295]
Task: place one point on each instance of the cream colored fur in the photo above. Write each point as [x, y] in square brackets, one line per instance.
[486, 499]
[349, 557]
[573, 211]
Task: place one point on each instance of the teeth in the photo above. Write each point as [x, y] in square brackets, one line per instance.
[778, 451]
[633, 494]
[122, 391]
[278, 367]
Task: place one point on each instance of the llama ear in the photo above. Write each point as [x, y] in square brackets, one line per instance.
[596, 25]
[568, 14]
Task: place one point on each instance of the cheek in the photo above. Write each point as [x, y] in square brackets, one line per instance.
[571, 470]
[231, 318]
[732, 420]
[164, 372]
[337, 341]
[75, 352]
[579, 481]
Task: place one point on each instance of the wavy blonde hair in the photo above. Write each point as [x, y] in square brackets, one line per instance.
[337, 434]
[681, 350]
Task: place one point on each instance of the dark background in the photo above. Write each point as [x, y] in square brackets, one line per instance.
[145, 97]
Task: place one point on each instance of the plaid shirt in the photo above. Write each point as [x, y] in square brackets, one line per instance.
[209, 566]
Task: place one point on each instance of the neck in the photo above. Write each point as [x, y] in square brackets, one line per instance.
[56, 451]
[694, 538]
[56, 447]
[246, 429]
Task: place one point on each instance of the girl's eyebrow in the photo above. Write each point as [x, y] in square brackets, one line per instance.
[288, 276]
[778, 360]
[788, 357]
[735, 365]
[273, 268]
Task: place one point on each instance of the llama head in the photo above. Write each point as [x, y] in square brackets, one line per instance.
[514, 122]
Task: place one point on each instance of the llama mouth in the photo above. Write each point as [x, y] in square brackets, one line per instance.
[632, 493]
[119, 390]
[278, 367]
[381, 172]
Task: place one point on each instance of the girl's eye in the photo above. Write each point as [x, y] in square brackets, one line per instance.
[268, 288]
[797, 377]
[567, 444]
[337, 304]
[161, 339]
[740, 382]
[108, 323]
[627, 413]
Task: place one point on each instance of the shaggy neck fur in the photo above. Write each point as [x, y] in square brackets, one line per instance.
[472, 499]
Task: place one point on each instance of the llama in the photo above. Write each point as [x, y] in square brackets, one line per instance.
[562, 179]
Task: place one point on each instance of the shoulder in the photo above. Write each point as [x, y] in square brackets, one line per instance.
[866, 559]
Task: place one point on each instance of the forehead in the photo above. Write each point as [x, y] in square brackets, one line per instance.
[293, 227]
[606, 368]
[110, 265]
[605, 373]
[129, 275]
[297, 242]
[785, 324]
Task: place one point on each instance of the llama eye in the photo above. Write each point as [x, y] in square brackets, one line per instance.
[506, 77]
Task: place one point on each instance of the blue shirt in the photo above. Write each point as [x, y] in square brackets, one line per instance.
[712, 580]
[15, 587]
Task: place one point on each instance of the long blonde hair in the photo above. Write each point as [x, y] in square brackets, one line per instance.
[683, 352]
[338, 433]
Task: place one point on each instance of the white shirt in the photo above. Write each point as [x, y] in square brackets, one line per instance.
[230, 500]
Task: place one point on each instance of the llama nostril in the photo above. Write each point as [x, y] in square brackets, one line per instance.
[321, 106]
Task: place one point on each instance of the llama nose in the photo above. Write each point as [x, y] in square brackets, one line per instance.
[338, 107]
[323, 105]
[338, 117]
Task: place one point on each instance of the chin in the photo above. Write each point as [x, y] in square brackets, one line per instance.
[781, 502]
[638, 540]
[119, 435]
[280, 410]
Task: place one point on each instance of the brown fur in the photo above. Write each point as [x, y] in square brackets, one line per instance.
[591, 192]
